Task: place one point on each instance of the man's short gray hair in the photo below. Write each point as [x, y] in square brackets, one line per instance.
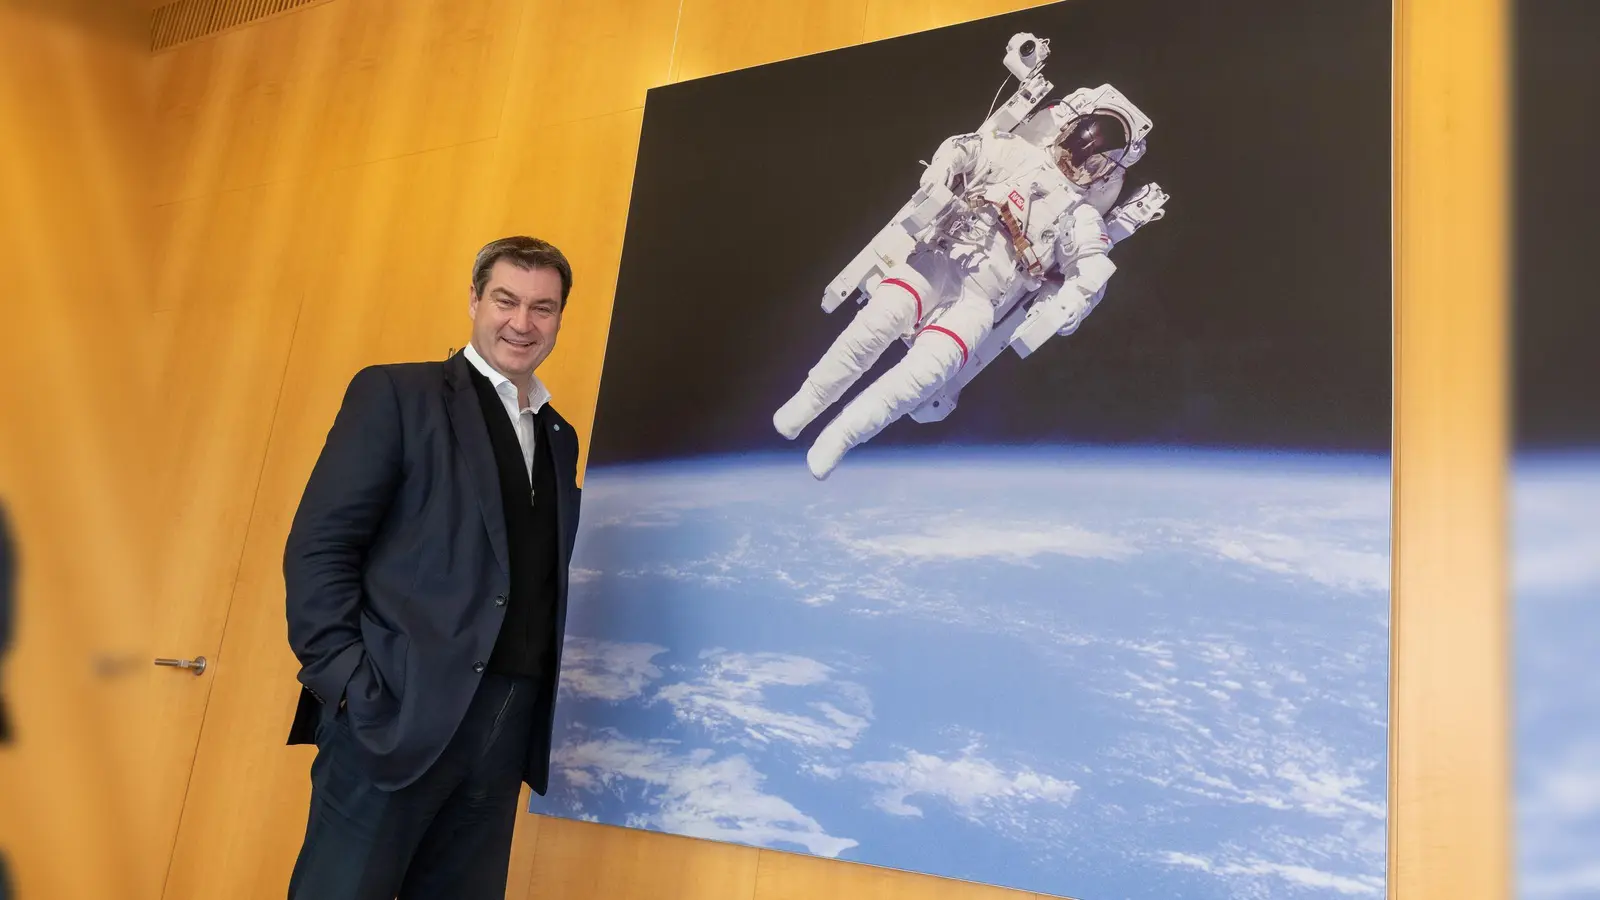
[524, 253]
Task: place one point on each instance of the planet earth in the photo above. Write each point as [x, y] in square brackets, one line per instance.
[1098, 674]
[1555, 702]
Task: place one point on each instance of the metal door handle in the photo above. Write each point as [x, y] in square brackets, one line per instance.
[198, 664]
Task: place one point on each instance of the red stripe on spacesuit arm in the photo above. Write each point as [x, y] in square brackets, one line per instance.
[954, 337]
[910, 290]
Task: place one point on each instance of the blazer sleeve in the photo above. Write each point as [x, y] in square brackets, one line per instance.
[344, 504]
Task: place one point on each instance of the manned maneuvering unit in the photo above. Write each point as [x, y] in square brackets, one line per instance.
[1005, 243]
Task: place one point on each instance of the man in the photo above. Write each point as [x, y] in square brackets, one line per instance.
[426, 578]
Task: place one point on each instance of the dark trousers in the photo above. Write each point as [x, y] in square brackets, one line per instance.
[445, 836]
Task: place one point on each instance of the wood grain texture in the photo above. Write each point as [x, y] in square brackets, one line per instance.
[892, 18]
[716, 36]
[1449, 799]
[245, 108]
[580, 60]
[416, 75]
[234, 303]
[76, 393]
[583, 861]
[524, 848]
[330, 86]
[789, 876]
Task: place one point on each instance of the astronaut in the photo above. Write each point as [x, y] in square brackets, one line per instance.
[1016, 218]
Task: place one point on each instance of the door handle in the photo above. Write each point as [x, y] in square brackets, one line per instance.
[198, 664]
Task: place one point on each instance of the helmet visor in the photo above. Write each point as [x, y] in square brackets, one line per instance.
[1089, 147]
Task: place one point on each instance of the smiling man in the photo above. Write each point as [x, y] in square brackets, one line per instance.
[426, 594]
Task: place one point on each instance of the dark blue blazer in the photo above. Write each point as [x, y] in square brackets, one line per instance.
[394, 561]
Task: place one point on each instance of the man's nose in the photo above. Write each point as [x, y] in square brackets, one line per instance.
[522, 319]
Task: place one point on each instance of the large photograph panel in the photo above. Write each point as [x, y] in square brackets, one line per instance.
[1555, 484]
[1115, 622]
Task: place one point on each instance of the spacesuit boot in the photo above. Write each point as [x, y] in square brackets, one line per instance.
[936, 355]
[895, 307]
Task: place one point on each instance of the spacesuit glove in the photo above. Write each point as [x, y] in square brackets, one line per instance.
[935, 179]
[1042, 323]
[1145, 206]
[927, 205]
[1060, 313]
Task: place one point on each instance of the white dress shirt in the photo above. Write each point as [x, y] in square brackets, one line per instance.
[521, 418]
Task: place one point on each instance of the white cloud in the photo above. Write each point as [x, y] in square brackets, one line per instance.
[1325, 792]
[1566, 791]
[974, 786]
[967, 540]
[1253, 732]
[1214, 750]
[1581, 880]
[593, 669]
[694, 794]
[1556, 532]
[1295, 875]
[730, 697]
[1563, 566]
[578, 575]
[1239, 728]
[1558, 818]
[1326, 563]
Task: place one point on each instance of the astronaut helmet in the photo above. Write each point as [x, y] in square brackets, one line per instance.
[1091, 146]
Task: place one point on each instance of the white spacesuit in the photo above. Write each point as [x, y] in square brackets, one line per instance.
[1005, 244]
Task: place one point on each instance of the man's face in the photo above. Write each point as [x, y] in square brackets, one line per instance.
[515, 319]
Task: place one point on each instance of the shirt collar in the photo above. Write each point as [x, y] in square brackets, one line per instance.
[538, 394]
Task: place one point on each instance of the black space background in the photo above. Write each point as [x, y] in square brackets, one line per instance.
[1256, 314]
[1557, 224]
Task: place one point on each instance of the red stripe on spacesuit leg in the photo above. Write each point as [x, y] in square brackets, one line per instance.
[910, 290]
[954, 337]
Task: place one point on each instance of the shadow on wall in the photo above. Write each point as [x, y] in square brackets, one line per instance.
[8, 571]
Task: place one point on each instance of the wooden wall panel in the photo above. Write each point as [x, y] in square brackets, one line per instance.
[892, 18]
[245, 108]
[76, 389]
[722, 35]
[233, 306]
[416, 75]
[524, 848]
[1449, 797]
[330, 86]
[790, 876]
[583, 861]
[580, 60]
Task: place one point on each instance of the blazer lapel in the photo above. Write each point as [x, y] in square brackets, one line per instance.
[563, 462]
[472, 434]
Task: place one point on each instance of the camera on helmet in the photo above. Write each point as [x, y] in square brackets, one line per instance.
[1025, 54]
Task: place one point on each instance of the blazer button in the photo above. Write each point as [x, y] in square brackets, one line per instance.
[555, 426]
[477, 667]
[500, 600]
